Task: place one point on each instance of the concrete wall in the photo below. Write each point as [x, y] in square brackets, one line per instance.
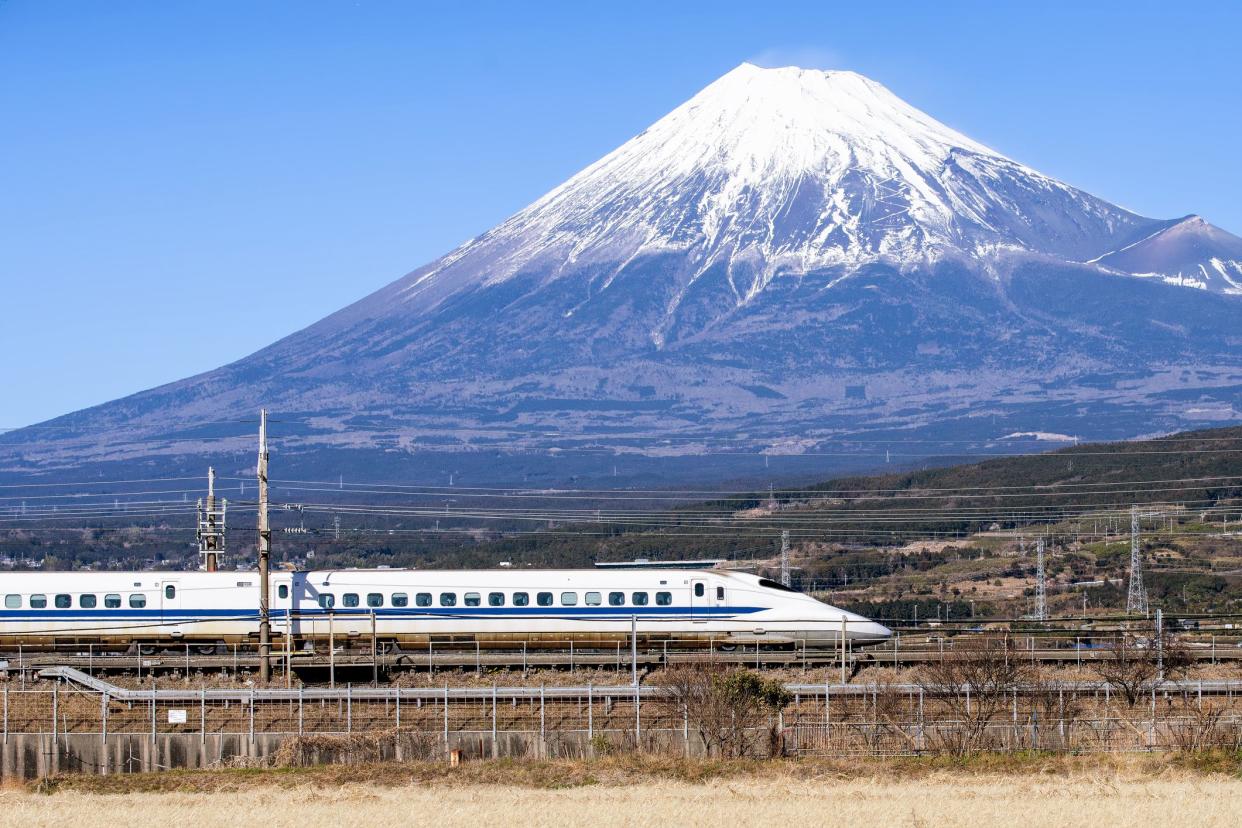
[29, 756]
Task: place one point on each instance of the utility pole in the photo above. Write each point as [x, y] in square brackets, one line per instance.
[211, 525]
[1136, 598]
[785, 557]
[265, 553]
[336, 527]
[1041, 594]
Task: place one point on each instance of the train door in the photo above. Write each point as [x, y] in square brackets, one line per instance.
[699, 599]
[283, 618]
[170, 601]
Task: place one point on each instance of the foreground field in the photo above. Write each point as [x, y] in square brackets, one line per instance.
[1038, 791]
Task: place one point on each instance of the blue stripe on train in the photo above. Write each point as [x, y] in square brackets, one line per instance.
[616, 613]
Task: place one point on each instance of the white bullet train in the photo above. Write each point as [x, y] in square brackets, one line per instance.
[414, 607]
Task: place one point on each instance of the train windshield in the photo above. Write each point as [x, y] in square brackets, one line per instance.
[770, 584]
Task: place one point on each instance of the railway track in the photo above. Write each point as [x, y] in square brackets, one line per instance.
[353, 661]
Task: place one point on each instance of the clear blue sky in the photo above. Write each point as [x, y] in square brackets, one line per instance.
[269, 162]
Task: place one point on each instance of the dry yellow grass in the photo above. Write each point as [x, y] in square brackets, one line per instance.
[938, 799]
[856, 803]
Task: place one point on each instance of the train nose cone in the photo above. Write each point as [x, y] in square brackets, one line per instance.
[872, 631]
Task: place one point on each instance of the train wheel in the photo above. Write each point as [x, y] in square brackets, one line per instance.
[726, 648]
[146, 649]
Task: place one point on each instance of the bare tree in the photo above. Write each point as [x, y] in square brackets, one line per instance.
[973, 683]
[725, 707]
[1129, 667]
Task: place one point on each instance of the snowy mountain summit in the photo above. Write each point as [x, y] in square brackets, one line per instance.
[790, 169]
[789, 259]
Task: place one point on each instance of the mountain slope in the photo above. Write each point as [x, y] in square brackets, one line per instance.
[790, 258]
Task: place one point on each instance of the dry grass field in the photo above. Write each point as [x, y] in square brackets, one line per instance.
[1067, 791]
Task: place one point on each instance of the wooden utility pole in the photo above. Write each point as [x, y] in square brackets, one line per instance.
[265, 554]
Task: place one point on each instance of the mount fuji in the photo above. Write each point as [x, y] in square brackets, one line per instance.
[789, 261]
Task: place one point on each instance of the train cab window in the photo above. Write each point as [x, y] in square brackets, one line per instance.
[473, 599]
[495, 599]
[616, 599]
[719, 593]
[327, 600]
[375, 599]
[282, 591]
[137, 600]
[448, 599]
[12, 602]
[422, 599]
[170, 591]
[112, 600]
[638, 599]
[543, 599]
[87, 601]
[664, 599]
[593, 599]
[569, 599]
[521, 599]
[63, 602]
[698, 590]
[400, 599]
[38, 602]
[349, 599]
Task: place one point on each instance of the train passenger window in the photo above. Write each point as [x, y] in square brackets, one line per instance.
[327, 600]
[638, 599]
[664, 599]
[719, 593]
[698, 589]
[87, 601]
[569, 599]
[495, 599]
[63, 602]
[375, 599]
[282, 591]
[448, 599]
[12, 602]
[521, 599]
[400, 599]
[543, 599]
[422, 599]
[616, 599]
[593, 599]
[112, 600]
[38, 601]
[170, 591]
[349, 599]
[473, 599]
[137, 600]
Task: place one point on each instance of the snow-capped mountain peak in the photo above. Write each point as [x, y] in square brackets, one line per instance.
[788, 168]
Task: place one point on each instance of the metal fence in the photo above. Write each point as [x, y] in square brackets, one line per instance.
[823, 720]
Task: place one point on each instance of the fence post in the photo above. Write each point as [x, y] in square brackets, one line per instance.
[301, 692]
[495, 746]
[349, 707]
[398, 709]
[543, 744]
[6, 715]
[103, 718]
[685, 725]
[638, 718]
[202, 715]
[446, 701]
[252, 715]
[153, 725]
[590, 715]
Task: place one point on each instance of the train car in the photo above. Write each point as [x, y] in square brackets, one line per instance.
[413, 607]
